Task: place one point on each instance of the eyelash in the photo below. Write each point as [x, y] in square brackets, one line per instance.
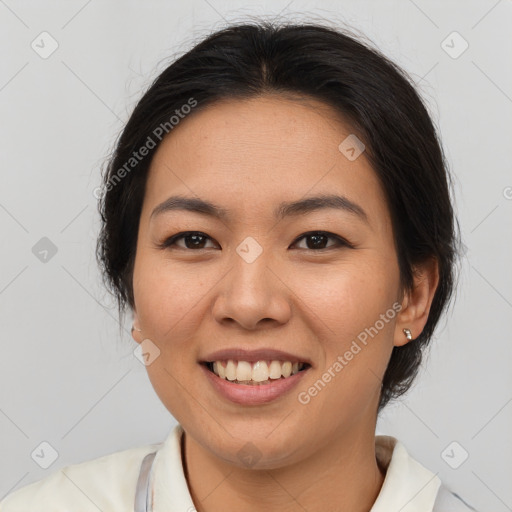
[340, 242]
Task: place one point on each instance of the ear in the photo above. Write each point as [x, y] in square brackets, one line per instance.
[136, 330]
[416, 303]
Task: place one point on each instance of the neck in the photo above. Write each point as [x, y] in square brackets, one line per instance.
[345, 473]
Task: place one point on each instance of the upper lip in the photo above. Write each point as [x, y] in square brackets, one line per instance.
[262, 354]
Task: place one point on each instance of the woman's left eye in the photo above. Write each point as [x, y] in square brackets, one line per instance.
[319, 239]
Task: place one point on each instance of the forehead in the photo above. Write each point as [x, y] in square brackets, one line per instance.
[249, 155]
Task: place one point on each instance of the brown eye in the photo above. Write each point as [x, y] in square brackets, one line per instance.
[318, 240]
[192, 240]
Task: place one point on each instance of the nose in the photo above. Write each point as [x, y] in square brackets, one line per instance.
[252, 295]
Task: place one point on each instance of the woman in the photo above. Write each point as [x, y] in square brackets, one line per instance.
[277, 218]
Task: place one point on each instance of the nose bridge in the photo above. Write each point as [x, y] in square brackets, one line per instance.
[249, 274]
[250, 291]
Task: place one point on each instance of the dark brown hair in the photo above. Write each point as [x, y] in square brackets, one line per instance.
[375, 97]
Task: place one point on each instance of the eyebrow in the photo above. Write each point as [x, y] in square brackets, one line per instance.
[285, 209]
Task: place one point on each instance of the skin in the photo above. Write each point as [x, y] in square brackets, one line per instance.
[248, 156]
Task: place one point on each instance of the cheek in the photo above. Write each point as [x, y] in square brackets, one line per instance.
[168, 300]
[353, 314]
[166, 297]
[346, 299]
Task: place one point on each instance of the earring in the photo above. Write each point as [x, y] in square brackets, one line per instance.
[135, 329]
[408, 334]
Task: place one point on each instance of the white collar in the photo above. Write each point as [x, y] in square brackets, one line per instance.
[407, 487]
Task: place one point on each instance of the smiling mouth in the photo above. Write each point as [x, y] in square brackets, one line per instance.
[255, 373]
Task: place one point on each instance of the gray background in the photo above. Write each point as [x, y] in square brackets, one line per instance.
[69, 378]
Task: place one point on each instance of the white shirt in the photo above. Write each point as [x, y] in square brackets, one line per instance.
[155, 473]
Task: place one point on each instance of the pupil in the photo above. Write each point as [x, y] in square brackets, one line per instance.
[196, 238]
[316, 244]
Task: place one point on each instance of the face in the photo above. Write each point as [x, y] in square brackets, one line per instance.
[315, 284]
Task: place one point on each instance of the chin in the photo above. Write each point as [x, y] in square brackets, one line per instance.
[252, 447]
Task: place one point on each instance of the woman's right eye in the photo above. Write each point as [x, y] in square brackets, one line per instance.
[192, 240]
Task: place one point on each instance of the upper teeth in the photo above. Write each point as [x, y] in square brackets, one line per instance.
[258, 372]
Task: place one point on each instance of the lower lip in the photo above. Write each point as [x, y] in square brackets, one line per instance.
[246, 394]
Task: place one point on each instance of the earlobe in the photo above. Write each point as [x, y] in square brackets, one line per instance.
[417, 302]
[135, 327]
[404, 336]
